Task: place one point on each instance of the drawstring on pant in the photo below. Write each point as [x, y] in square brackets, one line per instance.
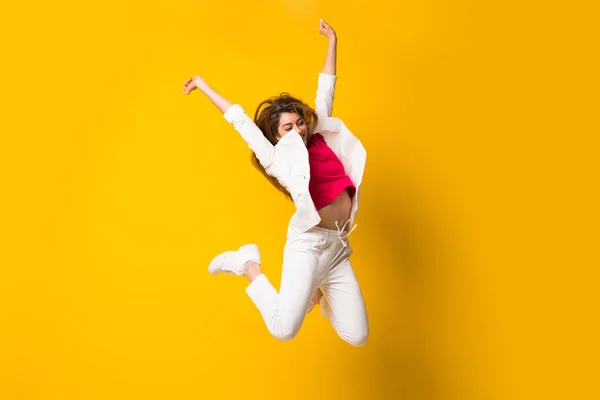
[341, 234]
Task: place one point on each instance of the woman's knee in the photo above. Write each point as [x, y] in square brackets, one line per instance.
[287, 328]
[285, 335]
[358, 337]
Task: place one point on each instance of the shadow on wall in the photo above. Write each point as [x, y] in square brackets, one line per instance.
[424, 260]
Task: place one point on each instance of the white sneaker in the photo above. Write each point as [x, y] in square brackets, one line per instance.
[234, 262]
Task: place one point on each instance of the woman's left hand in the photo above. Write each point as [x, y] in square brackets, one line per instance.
[326, 30]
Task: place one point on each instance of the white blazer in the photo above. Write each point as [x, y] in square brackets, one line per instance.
[288, 159]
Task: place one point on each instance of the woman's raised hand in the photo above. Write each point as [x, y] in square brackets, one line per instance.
[193, 83]
[326, 30]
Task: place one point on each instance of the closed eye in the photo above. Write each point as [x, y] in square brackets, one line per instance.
[288, 126]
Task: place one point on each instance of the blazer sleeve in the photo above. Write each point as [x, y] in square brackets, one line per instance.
[325, 95]
[251, 133]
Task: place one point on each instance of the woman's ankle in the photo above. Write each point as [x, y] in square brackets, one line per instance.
[252, 270]
[317, 296]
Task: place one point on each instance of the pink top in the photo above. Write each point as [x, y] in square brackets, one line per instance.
[327, 176]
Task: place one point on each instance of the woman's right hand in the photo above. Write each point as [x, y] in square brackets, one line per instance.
[193, 83]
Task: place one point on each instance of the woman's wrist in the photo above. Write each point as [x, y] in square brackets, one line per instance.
[204, 87]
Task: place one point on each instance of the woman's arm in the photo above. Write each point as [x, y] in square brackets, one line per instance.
[330, 59]
[198, 82]
[235, 115]
[327, 78]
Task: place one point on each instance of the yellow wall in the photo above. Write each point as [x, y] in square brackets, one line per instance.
[477, 228]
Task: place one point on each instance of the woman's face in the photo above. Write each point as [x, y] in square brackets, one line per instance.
[289, 121]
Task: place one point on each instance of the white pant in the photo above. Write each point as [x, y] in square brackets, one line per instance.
[316, 258]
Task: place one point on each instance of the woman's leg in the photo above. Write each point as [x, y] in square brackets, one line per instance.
[252, 271]
[284, 312]
[343, 304]
[317, 296]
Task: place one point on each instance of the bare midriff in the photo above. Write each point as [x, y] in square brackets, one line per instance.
[338, 210]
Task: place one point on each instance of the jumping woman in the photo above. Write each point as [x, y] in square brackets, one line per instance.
[318, 164]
